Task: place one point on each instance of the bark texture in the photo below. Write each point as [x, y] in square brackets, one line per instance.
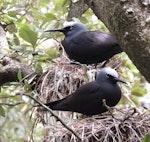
[129, 22]
[11, 67]
[76, 9]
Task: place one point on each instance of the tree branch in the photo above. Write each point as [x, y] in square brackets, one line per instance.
[53, 114]
[11, 67]
[129, 22]
[76, 9]
[15, 104]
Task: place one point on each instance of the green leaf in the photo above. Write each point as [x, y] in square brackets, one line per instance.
[27, 34]
[38, 68]
[1, 56]
[49, 54]
[146, 138]
[65, 3]
[2, 111]
[16, 48]
[50, 16]
[52, 52]
[16, 40]
[19, 75]
[138, 91]
[11, 28]
[60, 4]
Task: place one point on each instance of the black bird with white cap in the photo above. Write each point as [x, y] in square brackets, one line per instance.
[87, 47]
[88, 98]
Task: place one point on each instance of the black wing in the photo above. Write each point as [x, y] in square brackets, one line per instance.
[91, 46]
[85, 100]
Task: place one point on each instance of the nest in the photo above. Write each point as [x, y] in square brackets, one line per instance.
[126, 126]
[60, 80]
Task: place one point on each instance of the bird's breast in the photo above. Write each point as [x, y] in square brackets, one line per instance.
[112, 95]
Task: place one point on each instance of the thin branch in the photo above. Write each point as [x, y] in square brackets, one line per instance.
[53, 114]
[15, 104]
[11, 67]
[31, 134]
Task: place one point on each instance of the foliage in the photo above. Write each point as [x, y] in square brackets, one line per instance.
[24, 23]
[147, 138]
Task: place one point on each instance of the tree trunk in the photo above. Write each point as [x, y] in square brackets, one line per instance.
[129, 22]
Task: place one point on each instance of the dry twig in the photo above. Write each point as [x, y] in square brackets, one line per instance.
[53, 114]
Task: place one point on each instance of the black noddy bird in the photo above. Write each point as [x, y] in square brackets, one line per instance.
[88, 99]
[87, 47]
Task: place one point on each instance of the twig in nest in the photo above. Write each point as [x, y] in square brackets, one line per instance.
[126, 116]
[53, 114]
[104, 128]
[129, 113]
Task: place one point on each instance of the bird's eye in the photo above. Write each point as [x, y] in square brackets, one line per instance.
[109, 76]
[68, 28]
[71, 27]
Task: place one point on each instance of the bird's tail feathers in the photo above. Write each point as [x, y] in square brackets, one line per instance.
[53, 105]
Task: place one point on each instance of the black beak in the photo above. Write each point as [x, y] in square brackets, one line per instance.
[55, 30]
[119, 80]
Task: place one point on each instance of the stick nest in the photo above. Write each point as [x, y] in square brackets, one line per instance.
[60, 80]
[63, 78]
[126, 126]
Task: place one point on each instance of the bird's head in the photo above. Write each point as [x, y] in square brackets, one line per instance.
[108, 74]
[70, 28]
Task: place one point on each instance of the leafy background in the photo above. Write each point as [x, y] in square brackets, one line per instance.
[25, 22]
